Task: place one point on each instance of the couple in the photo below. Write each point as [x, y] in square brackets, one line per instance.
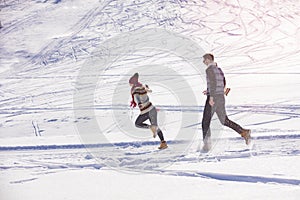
[215, 103]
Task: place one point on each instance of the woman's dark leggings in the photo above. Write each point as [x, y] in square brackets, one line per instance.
[152, 116]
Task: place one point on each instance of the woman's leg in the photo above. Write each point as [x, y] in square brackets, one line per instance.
[153, 121]
[139, 122]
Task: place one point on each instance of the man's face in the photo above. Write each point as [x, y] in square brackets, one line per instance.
[205, 61]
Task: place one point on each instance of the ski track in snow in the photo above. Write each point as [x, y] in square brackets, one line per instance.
[40, 69]
[235, 178]
[54, 158]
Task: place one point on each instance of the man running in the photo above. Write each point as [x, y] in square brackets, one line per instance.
[215, 103]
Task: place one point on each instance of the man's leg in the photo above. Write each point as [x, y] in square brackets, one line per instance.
[207, 115]
[221, 112]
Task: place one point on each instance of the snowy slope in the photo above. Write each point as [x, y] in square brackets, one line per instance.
[51, 50]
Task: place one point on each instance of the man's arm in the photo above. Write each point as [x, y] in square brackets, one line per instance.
[212, 85]
[212, 81]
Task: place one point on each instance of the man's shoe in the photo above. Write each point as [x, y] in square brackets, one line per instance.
[207, 145]
[246, 134]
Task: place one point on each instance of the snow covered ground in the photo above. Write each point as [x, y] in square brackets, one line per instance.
[67, 131]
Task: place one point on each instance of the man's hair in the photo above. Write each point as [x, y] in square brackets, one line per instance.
[208, 56]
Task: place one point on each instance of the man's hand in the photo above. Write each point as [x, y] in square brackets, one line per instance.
[211, 101]
[205, 92]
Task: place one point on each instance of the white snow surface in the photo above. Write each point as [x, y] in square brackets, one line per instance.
[45, 44]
